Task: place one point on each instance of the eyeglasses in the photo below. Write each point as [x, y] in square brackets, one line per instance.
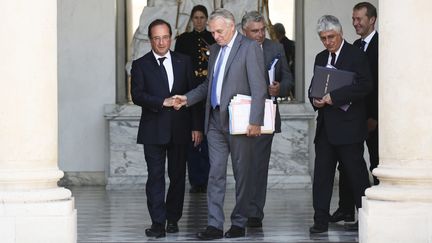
[161, 38]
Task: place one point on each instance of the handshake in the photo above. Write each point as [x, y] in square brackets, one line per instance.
[176, 101]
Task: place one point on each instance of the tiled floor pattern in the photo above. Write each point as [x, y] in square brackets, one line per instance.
[122, 216]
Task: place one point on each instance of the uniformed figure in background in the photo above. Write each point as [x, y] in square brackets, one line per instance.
[196, 45]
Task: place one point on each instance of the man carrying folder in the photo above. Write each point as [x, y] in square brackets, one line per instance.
[341, 122]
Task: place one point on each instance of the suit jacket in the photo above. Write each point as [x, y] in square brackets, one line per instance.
[346, 127]
[158, 124]
[244, 74]
[271, 51]
[372, 55]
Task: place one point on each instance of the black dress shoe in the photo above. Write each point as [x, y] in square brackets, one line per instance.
[340, 215]
[318, 228]
[235, 232]
[210, 233]
[172, 227]
[254, 222]
[156, 230]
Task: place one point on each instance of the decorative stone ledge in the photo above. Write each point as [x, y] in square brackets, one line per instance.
[289, 163]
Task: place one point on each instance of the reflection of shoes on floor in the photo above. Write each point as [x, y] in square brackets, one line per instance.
[235, 232]
[254, 222]
[210, 233]
[340, 215]
[156, 230]
[318, 228]
[351, 227]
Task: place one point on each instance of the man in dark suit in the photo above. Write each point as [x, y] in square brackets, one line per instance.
[341, 122]
[236, 66]
[254, 27]
[164, 131]
[364, 17]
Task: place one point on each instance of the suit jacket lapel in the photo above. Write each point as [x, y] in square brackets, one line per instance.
[233, 52]
[341, 57]
[373, 42]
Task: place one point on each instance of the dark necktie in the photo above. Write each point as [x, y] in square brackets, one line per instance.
[216, 73]
[163, 70]
[362, 45]
[333, 58]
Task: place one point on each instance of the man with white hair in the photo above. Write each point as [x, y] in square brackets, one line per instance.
[341, 123]
[236, 66]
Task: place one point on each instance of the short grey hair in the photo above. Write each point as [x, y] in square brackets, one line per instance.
[254, 16]
[328, 23]
[222, 13]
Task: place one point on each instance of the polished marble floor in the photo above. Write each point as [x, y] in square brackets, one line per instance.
[122, 216]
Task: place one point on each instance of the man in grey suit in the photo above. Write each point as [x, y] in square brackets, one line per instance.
[236, 66]
[254, 27]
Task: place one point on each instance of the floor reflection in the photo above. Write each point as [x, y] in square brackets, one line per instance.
[122, 216]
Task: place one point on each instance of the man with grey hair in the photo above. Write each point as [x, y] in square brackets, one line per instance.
[254, 27]
[236, 66]
[364, 16]
[341, 123]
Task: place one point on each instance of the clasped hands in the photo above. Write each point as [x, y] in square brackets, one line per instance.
[176, 101]
[323, 101]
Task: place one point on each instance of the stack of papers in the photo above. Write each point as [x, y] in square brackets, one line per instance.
[239, 112]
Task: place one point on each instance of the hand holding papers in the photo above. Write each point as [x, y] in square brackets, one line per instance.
[271, 73]
[239, 111]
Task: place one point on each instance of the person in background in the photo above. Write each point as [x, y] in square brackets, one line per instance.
[363, 19]
[164, 131]
[289, 47]
[341, 122]
[254, 27]
[196, 45]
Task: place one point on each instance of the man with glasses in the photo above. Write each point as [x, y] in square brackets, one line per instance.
[164, 131]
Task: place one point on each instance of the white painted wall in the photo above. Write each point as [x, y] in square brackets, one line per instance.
[86, 81]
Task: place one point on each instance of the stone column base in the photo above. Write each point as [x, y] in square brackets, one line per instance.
[44, 222]
[390, 221]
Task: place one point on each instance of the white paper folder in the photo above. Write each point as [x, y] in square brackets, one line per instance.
[239, 112]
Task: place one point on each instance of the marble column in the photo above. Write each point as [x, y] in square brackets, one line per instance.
[399, 209]
[33, 208]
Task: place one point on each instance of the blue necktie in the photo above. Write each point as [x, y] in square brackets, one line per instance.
[216, 72]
